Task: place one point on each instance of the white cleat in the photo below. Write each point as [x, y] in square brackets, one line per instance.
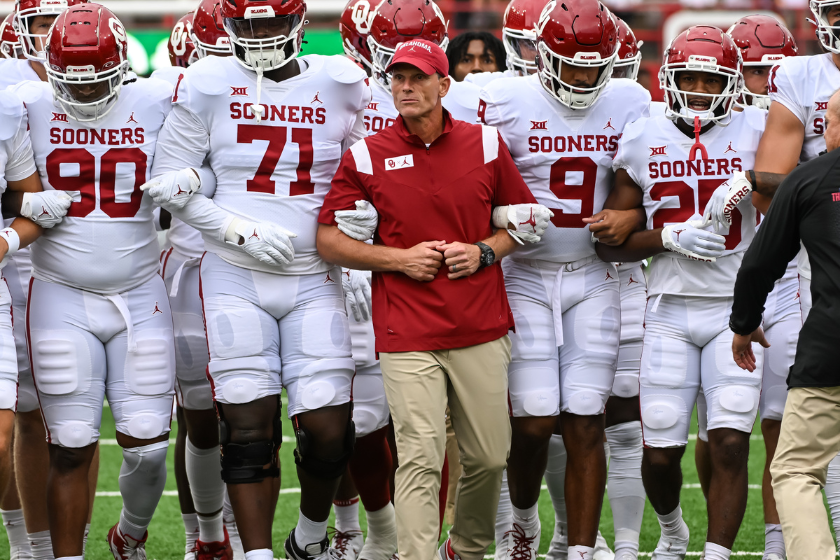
[523, 544]
[602, 549]
[773, 556]
[671, 548]
[502, 547]
[559, 547]
[626, 555]
[347, 545]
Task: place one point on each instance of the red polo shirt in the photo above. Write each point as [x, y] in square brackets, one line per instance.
[444, 192]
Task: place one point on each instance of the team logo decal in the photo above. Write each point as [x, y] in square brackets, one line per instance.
[400, 162]
[362, 16]
[58, 117]
[539, 125]
[373, 106]
[657, 151]
[241, 91]
[821, 105]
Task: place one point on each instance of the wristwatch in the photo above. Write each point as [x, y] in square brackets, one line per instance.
[488, 256]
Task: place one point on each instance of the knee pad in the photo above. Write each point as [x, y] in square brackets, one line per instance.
[244, 463]
[326, 469]
[665, 421]
[626, 385]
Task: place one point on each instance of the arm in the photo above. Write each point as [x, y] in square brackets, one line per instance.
[26, 229]
[420, 262]
[466, 256]
[778, 153]
[613, 227]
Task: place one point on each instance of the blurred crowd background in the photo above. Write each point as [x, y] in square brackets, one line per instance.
[655, 22]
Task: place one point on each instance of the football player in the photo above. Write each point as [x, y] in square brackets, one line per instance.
[200, 487]
[670, 166]
[19, 175]
[562, 125]
[98, 318]
[273, 127]
[9, 42]
[799, 89]
[31, 22]
[764, 42]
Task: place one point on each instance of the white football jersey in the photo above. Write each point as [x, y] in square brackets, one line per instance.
[655, 153]
[564, 155]
[482, 79]
[462, 101]
[380, 112]
[107, 242]
[278, 170]
[657, 109]
[16, 160]
[14, 71]
[184, 239]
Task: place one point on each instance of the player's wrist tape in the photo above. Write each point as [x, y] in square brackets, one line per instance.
[26, 206]
[12, 238]
[230, 234]
[500, 217]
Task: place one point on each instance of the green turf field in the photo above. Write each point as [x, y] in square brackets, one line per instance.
[166, 540]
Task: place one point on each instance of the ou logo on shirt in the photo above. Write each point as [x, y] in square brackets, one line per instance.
[400, 162]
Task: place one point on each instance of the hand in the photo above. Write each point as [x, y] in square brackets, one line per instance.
[463, 259]
[742, 351]
[422, 261]
[612, 227]
[725, 198]
[524, 222]
[356, 284]
[46, 208]
[688, 239]
[268, 243]
[360, 224]
[173, 190]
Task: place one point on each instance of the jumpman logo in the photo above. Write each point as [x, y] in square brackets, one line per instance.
[131, 119]
[328, 279]
[530, 221]
[180, 190]
[43, 212]
[729, 148]
[316, 99]
[253, 235]
[157, 309]
[677, 232]
[405, 162]
[609, 125]
[632, 281]
[608, 276]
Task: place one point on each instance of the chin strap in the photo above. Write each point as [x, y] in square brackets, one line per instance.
[698, 146]
[258, 108]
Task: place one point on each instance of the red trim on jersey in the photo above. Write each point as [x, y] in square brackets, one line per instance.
[206, 337]
[12, 315]
[31, 365]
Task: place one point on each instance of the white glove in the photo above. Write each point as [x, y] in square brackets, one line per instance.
[531, 221]
[173, 190]
[46, 208]
[356, 284]
[268, 243]
[688, 239]
[725, 198]
[360, 224]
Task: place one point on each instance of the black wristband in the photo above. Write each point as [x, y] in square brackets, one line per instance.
[751, 173]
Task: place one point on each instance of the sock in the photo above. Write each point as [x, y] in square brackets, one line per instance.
[142, 478]
[625, 489]
[672, 524]
[85, 538]
[204, 472]
[347, 515]
[40, 544]
[260, 554]
[190, 529]
[716, 552]
[227, 509]
[370, 467]
[832, 492]
[582, 552]
[555, 479]
[525, 517]
[211, 528]
[382, 525]
[774, 543]
[504, 515]
[15, 530]
[309, 532]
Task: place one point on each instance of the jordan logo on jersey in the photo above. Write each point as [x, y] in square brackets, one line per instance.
[729, 148]
[157, 309]
[608, 276]
[608, 125]
[329, 280]
[539, 125]
[821, 105]
[400, 162]
[316, 99]
[632, 281]
[243, 91]
[657, 151]
[530, 221]
[131, 119]
[58, 117]
[373, 106]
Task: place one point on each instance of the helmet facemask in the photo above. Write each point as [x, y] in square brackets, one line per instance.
[84, 94]
[265, 43]
[32, 43]
[573, 96]
[521, 49]
[628, 68]
[720, 104]
[828, 34]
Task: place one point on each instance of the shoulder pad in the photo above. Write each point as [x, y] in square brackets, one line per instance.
[484, 78]
[756, 118]
[341, 69]
[502, 89]
[31, 92]
[205, 77]
[168, 74]
[154, 87]
[11, 113]
[632, 131]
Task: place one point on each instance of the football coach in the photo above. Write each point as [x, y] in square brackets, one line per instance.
[806, 207]
[440, 312]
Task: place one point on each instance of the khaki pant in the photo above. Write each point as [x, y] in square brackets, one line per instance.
[809, 440]
[419, 385]
[453, 454]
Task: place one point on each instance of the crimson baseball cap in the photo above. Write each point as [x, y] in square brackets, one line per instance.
[424, 55]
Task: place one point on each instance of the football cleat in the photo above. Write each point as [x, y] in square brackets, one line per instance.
[381, 543]
[671, 548]
[523, 544]
[445, 551]
[124, 547]
[773, 557]
[313, 551]
[626, 555]
[347, 544]
[502, 547]
[602, 549]
[559, 547]
[189, 549]
[214, 550]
